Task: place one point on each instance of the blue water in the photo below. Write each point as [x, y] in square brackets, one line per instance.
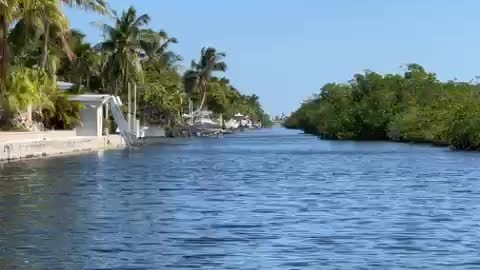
[270, 199]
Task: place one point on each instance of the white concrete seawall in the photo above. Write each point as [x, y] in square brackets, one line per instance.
[34, 145]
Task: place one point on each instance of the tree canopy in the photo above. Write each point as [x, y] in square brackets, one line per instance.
[415, 107]
[37, 47]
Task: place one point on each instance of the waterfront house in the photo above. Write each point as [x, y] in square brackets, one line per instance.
[88, 136]
[92, 114]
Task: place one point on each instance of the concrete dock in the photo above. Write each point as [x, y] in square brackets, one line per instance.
[27, 145]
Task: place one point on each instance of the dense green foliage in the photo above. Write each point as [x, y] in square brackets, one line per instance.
[415, 107]
[35, 88]
[162, 97]
[37, 47]
[224, 99]
[33, 42]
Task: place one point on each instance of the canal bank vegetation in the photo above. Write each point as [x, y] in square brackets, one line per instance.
[38, 48]
[413, 107]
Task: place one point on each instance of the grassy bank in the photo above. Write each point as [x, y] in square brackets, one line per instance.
[413, 107]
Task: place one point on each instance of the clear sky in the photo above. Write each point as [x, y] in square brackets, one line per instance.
[285, 50]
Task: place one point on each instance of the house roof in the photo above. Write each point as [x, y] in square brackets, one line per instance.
[65, 85]
[90, 98]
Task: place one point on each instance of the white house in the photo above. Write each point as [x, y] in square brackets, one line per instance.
[92, 114]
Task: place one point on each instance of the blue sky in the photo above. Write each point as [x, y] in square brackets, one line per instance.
[285, 50]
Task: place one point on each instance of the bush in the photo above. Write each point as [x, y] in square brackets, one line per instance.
[35, 88]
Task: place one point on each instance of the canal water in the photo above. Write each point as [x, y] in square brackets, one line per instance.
[268, 199]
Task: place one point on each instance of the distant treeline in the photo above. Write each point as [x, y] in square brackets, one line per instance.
[415, 107]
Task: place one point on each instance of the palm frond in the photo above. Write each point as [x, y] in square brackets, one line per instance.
[142, 21]
[98, 6]
[220, 67]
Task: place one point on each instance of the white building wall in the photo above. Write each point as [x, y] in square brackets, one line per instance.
[92, 120]
[99, 128]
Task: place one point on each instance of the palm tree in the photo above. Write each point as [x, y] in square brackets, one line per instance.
[87, 63]
[40, 14]
[197, 78]
[98, 6]
[122, 47]
[31, 12]
[155, 47]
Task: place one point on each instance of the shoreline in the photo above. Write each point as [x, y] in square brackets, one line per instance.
[437, 144]
[21, 149]
[24, 146]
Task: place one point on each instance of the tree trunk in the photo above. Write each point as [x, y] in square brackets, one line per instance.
[203, 101]
[116, 88]
[4, 54]
[79, 86]
[129, 105]
[126, 83]
[134, 116]
[125, 76]
[46, 36]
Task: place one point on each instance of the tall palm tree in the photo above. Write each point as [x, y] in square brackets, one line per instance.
[122, 47]
[155, 47]
[85, 65]
[41, 14]
[98, 6]
[197, 78]
[31, 11]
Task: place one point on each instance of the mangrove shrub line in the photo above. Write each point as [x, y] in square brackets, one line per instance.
[413, 107]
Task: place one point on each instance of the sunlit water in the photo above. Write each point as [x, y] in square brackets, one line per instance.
[270, 199]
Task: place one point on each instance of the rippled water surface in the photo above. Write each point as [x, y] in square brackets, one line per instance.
[271, 199]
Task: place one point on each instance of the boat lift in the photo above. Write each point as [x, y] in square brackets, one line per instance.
[127, 134]
[113, 104]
